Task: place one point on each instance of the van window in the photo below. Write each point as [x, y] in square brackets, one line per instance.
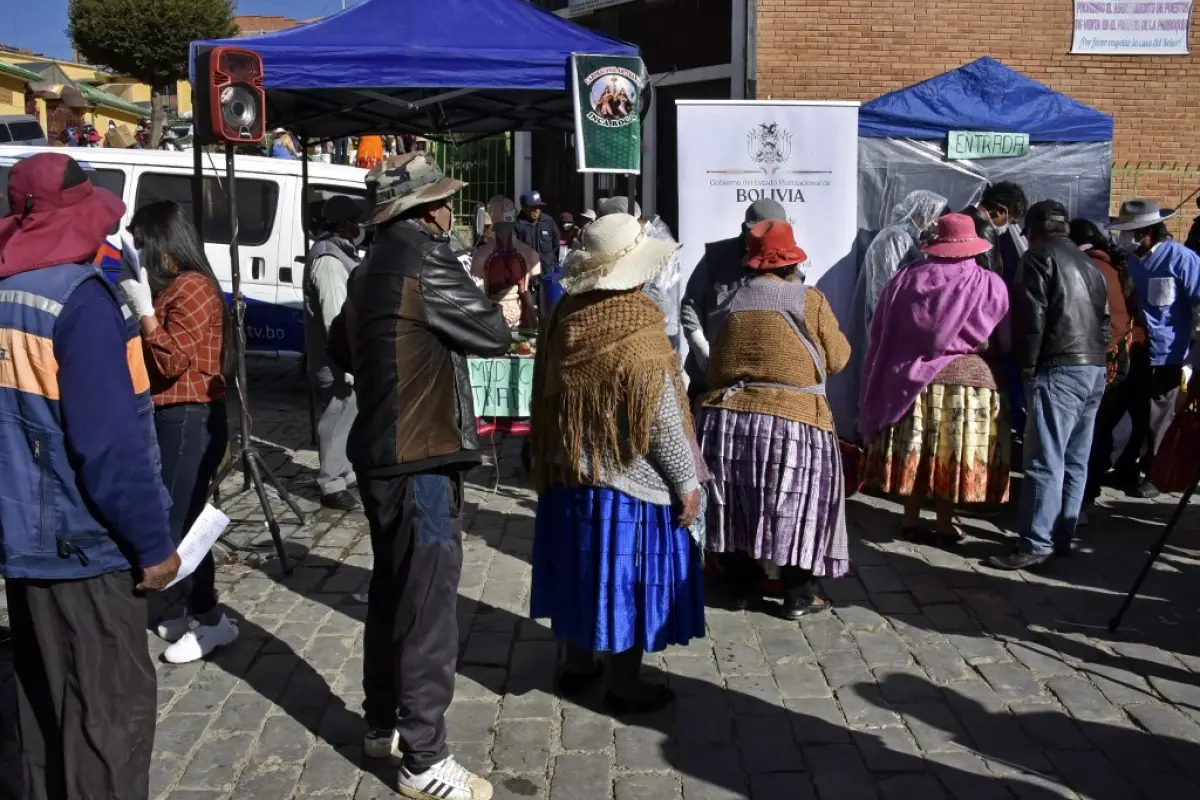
[26, 131]
[5, 136]
[319, 193]
[257, 201]
[111, 179]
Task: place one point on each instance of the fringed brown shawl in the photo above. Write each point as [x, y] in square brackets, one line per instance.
[603, 359]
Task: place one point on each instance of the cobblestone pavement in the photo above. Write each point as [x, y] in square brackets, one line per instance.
[934, 677]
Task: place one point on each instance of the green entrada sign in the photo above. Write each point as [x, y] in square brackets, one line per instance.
[501, 387]
[963, 145]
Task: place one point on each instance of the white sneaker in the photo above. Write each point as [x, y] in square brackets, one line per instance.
[201, 640]
[382, 744]
[446, 780]
[172, 630]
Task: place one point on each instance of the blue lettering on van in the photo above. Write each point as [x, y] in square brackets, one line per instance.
[269, 327]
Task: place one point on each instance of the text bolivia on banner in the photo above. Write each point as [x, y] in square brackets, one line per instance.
[803, 154]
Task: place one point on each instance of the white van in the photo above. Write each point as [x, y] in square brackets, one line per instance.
[271, 238]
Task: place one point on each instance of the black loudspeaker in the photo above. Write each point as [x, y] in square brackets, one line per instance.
[230, 105]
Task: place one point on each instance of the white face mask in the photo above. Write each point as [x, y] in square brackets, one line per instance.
[1126, 242]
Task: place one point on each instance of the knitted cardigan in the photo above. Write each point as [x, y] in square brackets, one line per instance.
[761, 346]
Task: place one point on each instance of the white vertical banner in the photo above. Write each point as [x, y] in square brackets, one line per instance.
[802, 154]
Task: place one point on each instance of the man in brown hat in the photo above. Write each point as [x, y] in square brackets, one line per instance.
[83, 514]
[412, 316]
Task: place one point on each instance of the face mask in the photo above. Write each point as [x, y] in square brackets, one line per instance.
[1126, 242]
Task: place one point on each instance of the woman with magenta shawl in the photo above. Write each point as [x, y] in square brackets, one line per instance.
[932, 414]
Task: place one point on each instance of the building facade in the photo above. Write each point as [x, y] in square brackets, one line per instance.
[860, 49]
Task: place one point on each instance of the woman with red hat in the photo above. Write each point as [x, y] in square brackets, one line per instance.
[934, 417]
[766, 429]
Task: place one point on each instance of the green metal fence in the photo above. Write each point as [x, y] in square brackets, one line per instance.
[486, 164]
[1169, 184]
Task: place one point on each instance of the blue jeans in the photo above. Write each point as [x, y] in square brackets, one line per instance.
[193, 438]
[1060, 407]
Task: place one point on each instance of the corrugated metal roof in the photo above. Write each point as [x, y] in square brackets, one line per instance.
[19, 72]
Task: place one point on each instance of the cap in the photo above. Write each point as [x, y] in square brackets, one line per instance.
[532, 199]
[1045, 211]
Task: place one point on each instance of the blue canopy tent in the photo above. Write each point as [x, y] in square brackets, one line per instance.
[902, 142]
[902, 147]
[423, 66]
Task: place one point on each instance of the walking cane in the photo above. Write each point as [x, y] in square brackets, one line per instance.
[1115, 622]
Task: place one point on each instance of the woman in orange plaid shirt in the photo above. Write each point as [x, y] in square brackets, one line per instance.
[171, 287]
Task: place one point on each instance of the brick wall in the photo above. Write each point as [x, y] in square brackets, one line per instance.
[860, 49]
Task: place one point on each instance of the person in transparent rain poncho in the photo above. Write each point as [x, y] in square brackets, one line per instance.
[893, 247]
[665, 288]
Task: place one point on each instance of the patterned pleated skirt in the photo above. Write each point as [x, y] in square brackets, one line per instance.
[780, 492]
[612, 572]
[955, 444]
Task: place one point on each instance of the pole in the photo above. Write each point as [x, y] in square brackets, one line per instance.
[304, 226]
[253, 466]
[197, 186]
[1115, 622]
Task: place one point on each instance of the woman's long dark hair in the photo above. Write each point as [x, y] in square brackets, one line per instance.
[1084, 231]
[171, 247]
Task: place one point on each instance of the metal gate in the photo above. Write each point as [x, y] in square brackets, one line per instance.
[59, 117]
[485, 163]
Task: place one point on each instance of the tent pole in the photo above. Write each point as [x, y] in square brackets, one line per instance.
[304, 222]
[198, 186]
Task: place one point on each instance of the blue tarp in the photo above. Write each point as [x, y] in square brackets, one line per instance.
[987, 96]
[428, 44]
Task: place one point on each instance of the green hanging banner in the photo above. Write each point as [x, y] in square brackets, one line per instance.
[608, 130]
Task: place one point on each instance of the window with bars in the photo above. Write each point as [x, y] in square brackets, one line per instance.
[484, 163]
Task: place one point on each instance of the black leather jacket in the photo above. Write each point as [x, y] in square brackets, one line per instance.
[985, 229]
[1060, 308]
[411, 318]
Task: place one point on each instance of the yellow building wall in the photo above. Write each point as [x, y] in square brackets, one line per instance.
[76, 72]
[12, 95]
[131, 91]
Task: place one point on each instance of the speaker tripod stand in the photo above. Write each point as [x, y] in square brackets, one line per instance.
[246, 453]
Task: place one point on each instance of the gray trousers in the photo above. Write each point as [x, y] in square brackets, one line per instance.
[336, 473]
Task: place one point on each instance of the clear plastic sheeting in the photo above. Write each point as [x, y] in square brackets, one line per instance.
[1077, 175]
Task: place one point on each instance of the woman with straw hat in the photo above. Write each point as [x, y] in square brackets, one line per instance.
[766, 429]
[615, 567]
[933, 416]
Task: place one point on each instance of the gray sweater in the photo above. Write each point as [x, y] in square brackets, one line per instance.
[664, 473]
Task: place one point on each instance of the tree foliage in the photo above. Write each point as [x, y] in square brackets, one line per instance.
[146, 39]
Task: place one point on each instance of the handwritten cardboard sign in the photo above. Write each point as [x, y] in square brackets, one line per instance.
[501, 387]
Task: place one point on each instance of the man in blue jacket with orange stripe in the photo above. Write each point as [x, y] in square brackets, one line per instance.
[83, 513]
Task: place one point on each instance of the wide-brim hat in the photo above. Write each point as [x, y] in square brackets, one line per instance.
[405, 181]
[56, 215]
[1138, 213]
[616, 255]
[956, 238]
[772, 245]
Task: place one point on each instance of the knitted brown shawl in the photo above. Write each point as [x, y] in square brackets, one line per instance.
[597, 382]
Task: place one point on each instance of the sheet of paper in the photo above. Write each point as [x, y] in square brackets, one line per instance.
[200, 540]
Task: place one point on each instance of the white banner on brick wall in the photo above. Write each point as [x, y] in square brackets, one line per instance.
[1131, 28]
[802, 154]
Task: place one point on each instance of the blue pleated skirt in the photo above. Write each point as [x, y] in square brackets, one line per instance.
[612, 572]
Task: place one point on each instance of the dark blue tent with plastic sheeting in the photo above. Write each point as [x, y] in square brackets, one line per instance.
[987, 96]
[423, 66]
